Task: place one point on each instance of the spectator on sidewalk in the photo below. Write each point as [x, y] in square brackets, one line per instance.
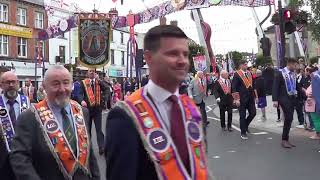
[259, 86]
[316, 95]
[300, 98]
[308, 91]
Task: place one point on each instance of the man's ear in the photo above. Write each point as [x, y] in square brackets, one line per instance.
[147, 55]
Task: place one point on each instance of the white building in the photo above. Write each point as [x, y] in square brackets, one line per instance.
[63, 48]
[117, 66]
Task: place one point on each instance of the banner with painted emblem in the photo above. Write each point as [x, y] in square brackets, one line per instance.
[200, 63]
[94, 41]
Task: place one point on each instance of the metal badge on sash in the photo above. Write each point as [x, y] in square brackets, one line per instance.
[23, 103]
[6, 125]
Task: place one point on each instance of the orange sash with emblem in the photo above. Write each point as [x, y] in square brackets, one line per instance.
[226, 88]
[246, 80]
[158, 142]
[67, 160]
[94, 98]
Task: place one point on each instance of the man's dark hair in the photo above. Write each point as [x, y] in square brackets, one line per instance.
[153, 36]
[291, 60]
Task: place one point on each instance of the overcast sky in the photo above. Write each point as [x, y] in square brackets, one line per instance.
[233, 28]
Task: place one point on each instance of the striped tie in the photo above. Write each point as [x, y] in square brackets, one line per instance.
[68, 130]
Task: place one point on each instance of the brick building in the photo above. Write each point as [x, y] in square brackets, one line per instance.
[20, 22]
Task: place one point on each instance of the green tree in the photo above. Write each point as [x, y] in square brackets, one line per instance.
[262, 61]
[314, 24]
[313, 60]
[236, 57]
[194, 49]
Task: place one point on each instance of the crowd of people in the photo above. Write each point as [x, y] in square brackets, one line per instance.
[154, 130]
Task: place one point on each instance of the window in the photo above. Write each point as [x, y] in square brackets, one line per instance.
[62, 54]
[39, 20]
[122, 58]
[3, 45]
[112, 56]
[22, 16]
[111, 36]
[3, 13]
[121, 34]
[22, 47]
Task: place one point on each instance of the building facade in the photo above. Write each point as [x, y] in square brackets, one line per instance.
[20, 22]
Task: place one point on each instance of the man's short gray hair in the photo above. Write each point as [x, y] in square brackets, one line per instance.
[54, 68]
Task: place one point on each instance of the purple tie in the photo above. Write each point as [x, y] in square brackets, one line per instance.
[12, 113]
[178, 132]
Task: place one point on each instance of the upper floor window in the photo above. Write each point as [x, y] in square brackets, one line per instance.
[22, 16]
[22, 47]
[3, 45]
[122, 40]
[39, 20]
[122, 58]
[3, 13]
[112, 56]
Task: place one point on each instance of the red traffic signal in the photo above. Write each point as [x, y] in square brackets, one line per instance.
[287, 13]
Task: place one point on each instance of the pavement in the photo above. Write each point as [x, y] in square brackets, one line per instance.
[259, 158]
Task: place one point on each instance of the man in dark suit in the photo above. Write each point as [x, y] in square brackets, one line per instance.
[11, 105]
[222, 93]
[51, 141]
[91, 97]
[242, 88]
[130, 155]
[284, 94]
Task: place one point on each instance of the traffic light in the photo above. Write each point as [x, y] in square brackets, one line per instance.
[288, 16]
[140, 62]
[265, 45]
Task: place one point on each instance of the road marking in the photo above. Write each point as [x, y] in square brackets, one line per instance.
[233, 126]
[210, 109]
[258, 142]
[232, 151]
[215, 157]
[260, 133]
[269, 138]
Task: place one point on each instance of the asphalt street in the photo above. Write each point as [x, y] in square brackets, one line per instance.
[259, 158]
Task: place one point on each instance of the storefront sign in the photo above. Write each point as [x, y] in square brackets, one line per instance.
[17, 31]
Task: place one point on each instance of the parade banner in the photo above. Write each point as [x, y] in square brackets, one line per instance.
[94, 41]
[200, 63]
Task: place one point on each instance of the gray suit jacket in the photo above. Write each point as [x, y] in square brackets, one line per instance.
[195, 93]
[31, 158]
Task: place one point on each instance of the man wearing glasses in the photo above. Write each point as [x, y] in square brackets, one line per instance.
[11, 105]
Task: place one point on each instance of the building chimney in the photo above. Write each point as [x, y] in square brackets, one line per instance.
[163, 20]
[174, 23]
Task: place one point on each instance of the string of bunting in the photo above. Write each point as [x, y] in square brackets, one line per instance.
[147, 15]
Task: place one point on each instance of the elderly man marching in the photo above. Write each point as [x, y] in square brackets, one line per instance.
[222, 91]
[11, 105]
[52, 141]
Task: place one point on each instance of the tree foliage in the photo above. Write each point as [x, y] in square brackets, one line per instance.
[313, 60]
[315, 20]
[262, 61]
[236, 57]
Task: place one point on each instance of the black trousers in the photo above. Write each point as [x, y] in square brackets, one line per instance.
[245, 121]
[223, 108]
[96, 117]
[299, 109]
[6, 172]
[202, 107]
[288, 110]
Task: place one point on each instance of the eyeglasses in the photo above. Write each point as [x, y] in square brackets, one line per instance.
[9, 82]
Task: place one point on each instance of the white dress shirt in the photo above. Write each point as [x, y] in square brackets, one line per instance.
[16, 105]
[160, 99]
